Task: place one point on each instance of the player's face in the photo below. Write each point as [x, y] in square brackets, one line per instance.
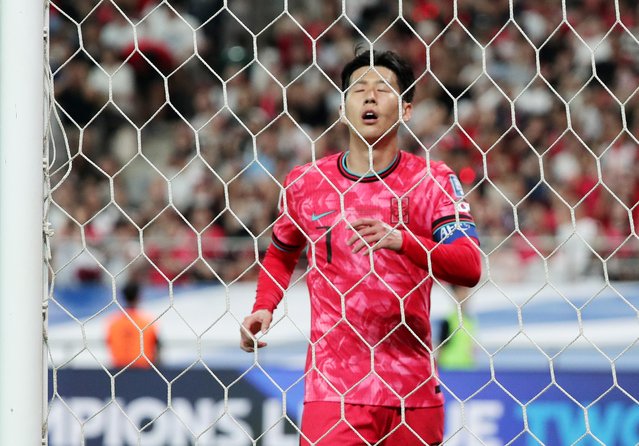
[371, 103]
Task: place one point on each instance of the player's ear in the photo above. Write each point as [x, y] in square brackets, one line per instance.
[407, 111]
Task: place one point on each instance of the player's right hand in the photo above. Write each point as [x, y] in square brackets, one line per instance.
[254, 323]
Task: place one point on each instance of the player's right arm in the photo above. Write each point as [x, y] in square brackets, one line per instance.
[275, 275]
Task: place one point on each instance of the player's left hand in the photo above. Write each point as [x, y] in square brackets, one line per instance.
[374, 234]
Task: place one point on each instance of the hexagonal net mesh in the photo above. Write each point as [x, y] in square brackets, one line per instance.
[173, 126]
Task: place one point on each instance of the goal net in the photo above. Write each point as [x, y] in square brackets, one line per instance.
[172, 127]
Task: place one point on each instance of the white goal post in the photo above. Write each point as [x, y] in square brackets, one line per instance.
[21, 210]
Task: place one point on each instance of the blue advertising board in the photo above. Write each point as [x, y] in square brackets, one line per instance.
[234, 407]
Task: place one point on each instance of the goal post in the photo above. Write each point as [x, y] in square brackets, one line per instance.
[21, 210]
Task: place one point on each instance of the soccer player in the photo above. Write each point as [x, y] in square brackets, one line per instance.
[378, 224]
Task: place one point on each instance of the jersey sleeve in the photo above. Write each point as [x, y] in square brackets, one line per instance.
[282, 255]
[458, 262]
[446, 228]
[286, 234]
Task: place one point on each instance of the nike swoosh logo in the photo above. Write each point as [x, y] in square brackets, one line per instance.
[316, 217]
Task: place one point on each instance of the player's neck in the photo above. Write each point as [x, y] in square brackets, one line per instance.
[358, 161]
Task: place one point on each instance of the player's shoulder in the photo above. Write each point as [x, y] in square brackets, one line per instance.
[440, 169]
[420, 165]
[313, 171]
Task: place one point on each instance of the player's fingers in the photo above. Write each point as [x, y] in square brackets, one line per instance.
[357, 248]
[359, 243]
[266, 323]
[363, 233]
[360, 222]
[246, 344]
[245, 330]
[375, 243]
[368, 230]
[364, 224]
[249, 327]
[362, 238]
[378, 246]
[366, 243]
[379, 241]
[352, 240]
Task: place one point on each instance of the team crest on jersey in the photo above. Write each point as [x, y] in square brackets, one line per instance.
[456, 185]
[396, 207]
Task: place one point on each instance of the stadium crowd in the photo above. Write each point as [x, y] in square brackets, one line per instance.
[181, 118]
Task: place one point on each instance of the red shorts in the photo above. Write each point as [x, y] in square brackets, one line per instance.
[323, 425]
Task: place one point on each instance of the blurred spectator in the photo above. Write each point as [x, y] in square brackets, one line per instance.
[113, 77]
[122, 249]
[456, 345]
[174, 27]
[74, 94]
[131, 334]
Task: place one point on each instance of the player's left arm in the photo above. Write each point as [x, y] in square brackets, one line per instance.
[452, 254]
[457, 262]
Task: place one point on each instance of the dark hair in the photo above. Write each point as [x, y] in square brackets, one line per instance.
[387, 59]
[131, 292]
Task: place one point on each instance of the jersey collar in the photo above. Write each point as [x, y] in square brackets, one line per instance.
[368, 178]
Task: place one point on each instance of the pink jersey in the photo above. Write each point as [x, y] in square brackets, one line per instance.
[370, 327]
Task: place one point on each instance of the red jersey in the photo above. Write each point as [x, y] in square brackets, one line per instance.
[370, 328]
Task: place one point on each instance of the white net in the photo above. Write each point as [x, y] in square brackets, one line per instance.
[173, 125]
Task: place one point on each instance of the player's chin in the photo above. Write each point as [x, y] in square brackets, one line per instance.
[372, 137]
